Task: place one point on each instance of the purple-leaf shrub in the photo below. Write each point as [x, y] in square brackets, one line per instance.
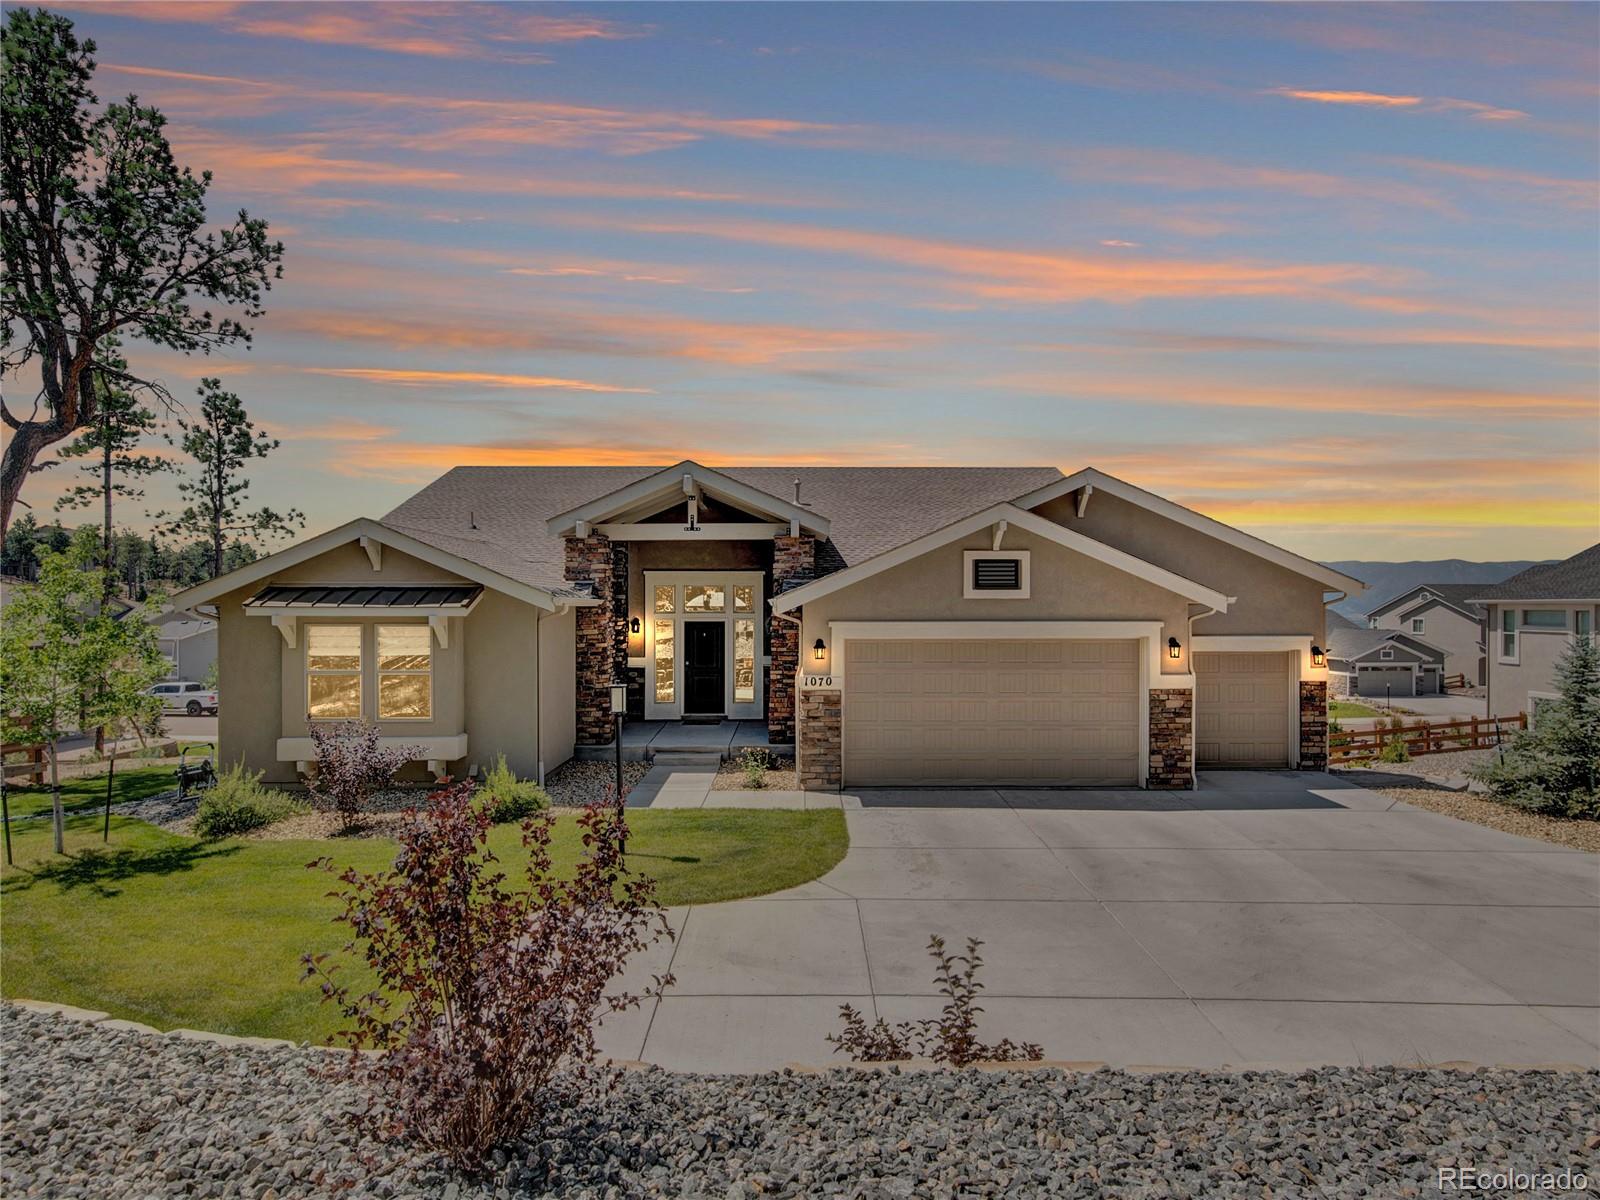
[950, 1038]
[352, 763]
[483, 989]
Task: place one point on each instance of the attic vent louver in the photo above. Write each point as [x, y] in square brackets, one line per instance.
[996, 574]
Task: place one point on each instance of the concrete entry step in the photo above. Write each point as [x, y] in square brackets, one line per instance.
[687, 758]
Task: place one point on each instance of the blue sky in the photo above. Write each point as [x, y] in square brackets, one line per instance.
[1325, 272]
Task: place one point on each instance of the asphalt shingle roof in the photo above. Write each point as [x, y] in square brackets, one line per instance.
[1461, 595]
[1353, 642]
[1577, 578]
[495, 516]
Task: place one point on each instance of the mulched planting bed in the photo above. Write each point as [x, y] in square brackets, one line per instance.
[730, 777]
[93, 1112]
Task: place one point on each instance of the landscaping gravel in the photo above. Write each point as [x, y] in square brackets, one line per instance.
[579, 782]
[730, 777]
[1452, 764]
[1563, 831]
[95, 1112]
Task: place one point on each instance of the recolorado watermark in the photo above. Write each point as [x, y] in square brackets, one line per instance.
[1511, 1179]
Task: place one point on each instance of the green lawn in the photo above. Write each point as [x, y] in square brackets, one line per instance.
[1349, 708]
[132, 782]
[174, 932]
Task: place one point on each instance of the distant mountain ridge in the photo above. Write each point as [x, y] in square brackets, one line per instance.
[1386, 580]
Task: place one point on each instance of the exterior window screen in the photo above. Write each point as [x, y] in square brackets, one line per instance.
[996, 575]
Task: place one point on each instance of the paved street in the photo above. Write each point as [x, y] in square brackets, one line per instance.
[1264, 918]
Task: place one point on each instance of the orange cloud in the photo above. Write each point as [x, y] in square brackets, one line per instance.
[1571, 193]
[457, 31]
[1370, 99]
[566, 331]
[1042, 277]
[405, 378]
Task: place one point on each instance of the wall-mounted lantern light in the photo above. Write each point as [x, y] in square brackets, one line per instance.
[634, 626]
[1173, 649]
[1318, 658]
[818, 649]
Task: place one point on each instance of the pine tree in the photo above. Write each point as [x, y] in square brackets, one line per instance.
[1555, 766]
[222, 443]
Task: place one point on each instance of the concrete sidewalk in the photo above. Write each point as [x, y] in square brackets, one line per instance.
[1265, 918]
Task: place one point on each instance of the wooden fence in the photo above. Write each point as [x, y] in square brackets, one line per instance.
[1454, 683]
[32, 769]
[1480, 733]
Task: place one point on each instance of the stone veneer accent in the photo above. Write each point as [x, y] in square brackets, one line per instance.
[589, 558]
[619, 608]
[1313, 725]
[794, 562]
[820, 753]
[1171, 738]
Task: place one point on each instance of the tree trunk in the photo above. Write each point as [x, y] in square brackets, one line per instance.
[58, 816]
[27, 440]
[111, 774]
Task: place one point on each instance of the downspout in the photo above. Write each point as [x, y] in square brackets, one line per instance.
[1194, 698]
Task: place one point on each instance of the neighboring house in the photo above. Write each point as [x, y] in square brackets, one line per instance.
[1531, 618]
[1443, 614]
[1381, 663]
[189, 643]
[894, 625]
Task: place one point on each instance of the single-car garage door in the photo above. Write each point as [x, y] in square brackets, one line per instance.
[1242, 709]
[985, 711]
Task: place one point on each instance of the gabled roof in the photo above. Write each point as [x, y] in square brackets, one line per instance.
[1454, 595]
[675, 482]
[1355, 643]
[1020, 519]
[1199, 522]
[501, 515]
[1577, 578]
[384, 535]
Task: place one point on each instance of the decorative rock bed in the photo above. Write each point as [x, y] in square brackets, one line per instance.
[107, 1113]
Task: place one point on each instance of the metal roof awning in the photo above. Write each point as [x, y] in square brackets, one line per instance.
[444, 599]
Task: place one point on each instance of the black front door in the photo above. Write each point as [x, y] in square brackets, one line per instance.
[703, 684]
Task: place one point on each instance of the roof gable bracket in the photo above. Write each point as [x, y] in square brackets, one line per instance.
[440, 625]
[1000, 528]
[1084, 493]
[287, 627]
[374, 549]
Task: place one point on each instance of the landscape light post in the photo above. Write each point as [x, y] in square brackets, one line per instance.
[619, 708]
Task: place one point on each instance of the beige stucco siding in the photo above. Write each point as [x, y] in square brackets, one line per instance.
[1511, 684]
[1271, 599]
[249, 682]
[503, 664]
[558, 687]
[1065, 586]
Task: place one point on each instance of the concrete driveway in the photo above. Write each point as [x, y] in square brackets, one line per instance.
[1264, 918]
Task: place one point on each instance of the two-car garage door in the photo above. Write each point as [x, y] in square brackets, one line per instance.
[979, 711]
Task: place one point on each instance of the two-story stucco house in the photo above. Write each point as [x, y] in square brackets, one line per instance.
[1443, 615]
[1531, 618]
[893, 625]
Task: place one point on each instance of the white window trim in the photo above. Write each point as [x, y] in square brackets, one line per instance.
[378, 673]
[1501, 633]
[1024, 575]
[744, 710]
[1386, 655]
[1418, 624]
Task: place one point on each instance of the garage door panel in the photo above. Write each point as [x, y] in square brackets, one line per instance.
[978, 711]
[1243, 707]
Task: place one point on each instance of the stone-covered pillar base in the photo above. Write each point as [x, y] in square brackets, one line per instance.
[589, 559]
[1313, 725]
[794, 562]
[1171, 738]
[819, 750]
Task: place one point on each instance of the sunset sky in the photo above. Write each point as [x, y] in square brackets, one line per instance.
[1325, 273]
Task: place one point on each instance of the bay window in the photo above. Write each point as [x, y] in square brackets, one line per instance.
[405, 672]
[333, 672]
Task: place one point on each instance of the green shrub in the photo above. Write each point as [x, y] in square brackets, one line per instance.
[506, 798]
[1554, 768]
[238, 803]
[755, 763]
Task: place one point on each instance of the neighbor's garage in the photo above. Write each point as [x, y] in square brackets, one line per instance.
[1243, 711]
[944, 712]
[1384, 681]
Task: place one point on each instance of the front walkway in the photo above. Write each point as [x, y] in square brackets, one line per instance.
[1265, 918]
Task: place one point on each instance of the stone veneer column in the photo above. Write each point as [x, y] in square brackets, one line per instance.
[1171, 738]
[1313, 725]
[589, 558]
[794, 562]
[820, 759]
